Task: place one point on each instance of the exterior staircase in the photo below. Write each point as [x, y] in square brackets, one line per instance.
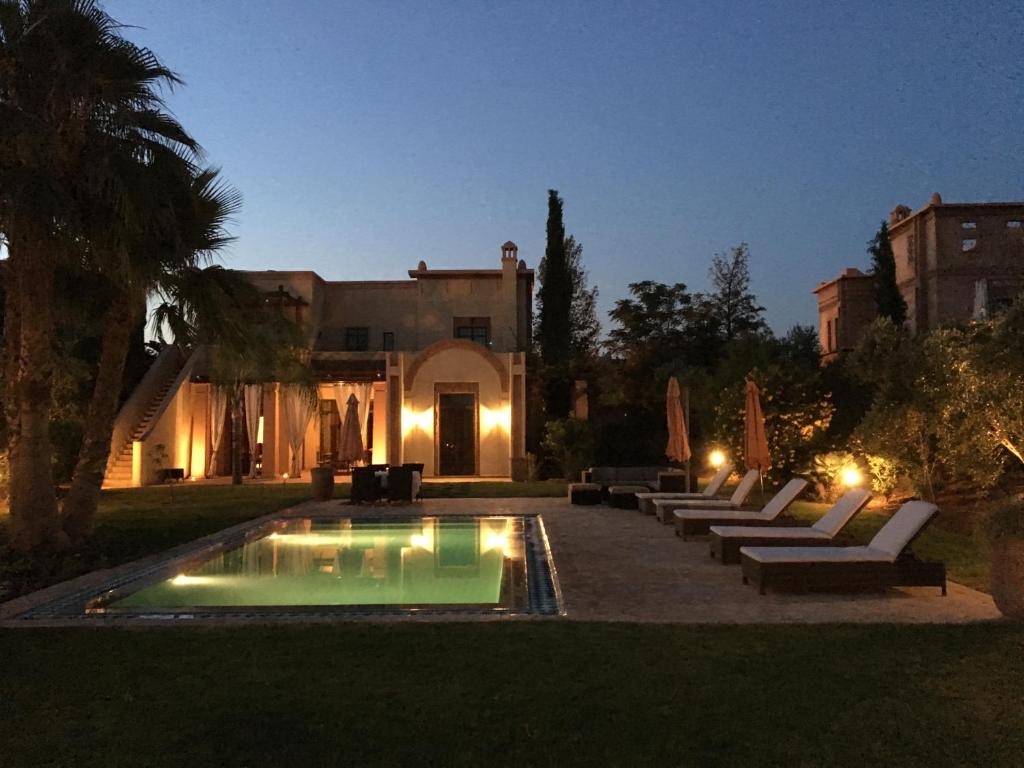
[119, 466]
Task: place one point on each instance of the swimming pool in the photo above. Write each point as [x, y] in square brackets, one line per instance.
[301, 566]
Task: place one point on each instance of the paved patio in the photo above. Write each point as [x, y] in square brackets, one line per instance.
[620, 565]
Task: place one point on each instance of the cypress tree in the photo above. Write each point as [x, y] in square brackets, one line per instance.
[888, 299]
[555, 326]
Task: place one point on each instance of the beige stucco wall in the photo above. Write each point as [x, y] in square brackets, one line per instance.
[173, 430]
[459, 366]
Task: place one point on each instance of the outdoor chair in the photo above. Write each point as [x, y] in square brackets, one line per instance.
[885, 562]
[726, 540]
[646, 500]
[695, 522]
[364, 486]
[400, 484]
[417, 468]
[663, 508]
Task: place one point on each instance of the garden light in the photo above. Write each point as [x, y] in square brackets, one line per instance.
[851, 477]
[716, 459]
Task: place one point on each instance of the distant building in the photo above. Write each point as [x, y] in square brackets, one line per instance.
[954, 262]
[846, 306]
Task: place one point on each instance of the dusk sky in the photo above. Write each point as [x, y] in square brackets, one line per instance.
[365, 137]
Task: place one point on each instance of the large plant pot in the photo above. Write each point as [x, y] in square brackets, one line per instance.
[323, 483]
[1008, 577]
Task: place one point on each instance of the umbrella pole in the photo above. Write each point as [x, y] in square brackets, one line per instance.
[686, 421]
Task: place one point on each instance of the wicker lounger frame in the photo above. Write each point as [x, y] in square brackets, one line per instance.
[825, 576]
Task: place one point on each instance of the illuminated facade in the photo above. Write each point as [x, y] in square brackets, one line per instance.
[437, 364]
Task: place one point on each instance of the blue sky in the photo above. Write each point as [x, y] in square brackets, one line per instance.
[367, 136]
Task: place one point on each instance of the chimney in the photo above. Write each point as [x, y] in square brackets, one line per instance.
[509, 252]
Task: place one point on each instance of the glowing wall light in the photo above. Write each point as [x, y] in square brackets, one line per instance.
[421, 420]
[492, 419]
[716, 459]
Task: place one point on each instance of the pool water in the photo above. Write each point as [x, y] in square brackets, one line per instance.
[423, 562]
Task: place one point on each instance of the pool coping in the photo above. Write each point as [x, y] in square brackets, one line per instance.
[43, 608]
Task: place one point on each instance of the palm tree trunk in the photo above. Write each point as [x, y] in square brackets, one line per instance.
[236, 436]
[79, 510]
[28, 363]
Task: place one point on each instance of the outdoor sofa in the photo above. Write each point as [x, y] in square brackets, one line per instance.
[664, 508]
[885, 562]
[696, 522]
[726, 540]
[606, 477]
[646, 500]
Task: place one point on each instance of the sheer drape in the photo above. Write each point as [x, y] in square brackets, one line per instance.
[218, 409]
[253, 394]
[300, 408]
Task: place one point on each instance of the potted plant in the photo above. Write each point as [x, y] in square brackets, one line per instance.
[1005, 528]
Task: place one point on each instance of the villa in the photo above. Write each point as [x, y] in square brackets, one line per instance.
[954, 262]
[436, 364]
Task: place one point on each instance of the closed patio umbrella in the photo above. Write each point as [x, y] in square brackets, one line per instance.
[351, 448]
[678, 448]
[755, 442]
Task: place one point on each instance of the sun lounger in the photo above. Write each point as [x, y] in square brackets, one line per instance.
[696, 522]
[646, 500]
[726, 540]
[884, 562]
[663, 508]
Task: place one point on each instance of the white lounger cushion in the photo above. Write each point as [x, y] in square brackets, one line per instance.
[714, 486]
[719, 514]
[849, 504]
[775, 507]
[739, 495]
[766, 532]
[816, 554]
[887, 545]
[902, 527]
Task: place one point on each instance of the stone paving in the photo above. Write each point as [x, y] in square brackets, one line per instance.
[621, 565]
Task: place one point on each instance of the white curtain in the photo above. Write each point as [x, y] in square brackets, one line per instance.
[218, 409]
[300, 409]
[253, 395]
[363, 392]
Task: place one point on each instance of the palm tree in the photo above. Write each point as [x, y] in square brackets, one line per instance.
[185, 227]
[75, 96]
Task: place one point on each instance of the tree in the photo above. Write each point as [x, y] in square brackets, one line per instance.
[888, 299]
[584, 327]
[732, 305]
[74, 95]
[555, 311]
[188, 212]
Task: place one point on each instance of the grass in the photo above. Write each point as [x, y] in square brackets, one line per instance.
[523, 694]
[136, 522]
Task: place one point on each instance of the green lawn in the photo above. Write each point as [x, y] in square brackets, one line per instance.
[516, 694]
[136, 522]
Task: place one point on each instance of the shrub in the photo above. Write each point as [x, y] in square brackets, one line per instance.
[570, 442]
[1006, 521]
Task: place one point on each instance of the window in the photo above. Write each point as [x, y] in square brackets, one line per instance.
[969, 244]
[968, 225]
[1013, 224]
[357, 339]
[476, 329]
[828, 333]
[388, 341]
